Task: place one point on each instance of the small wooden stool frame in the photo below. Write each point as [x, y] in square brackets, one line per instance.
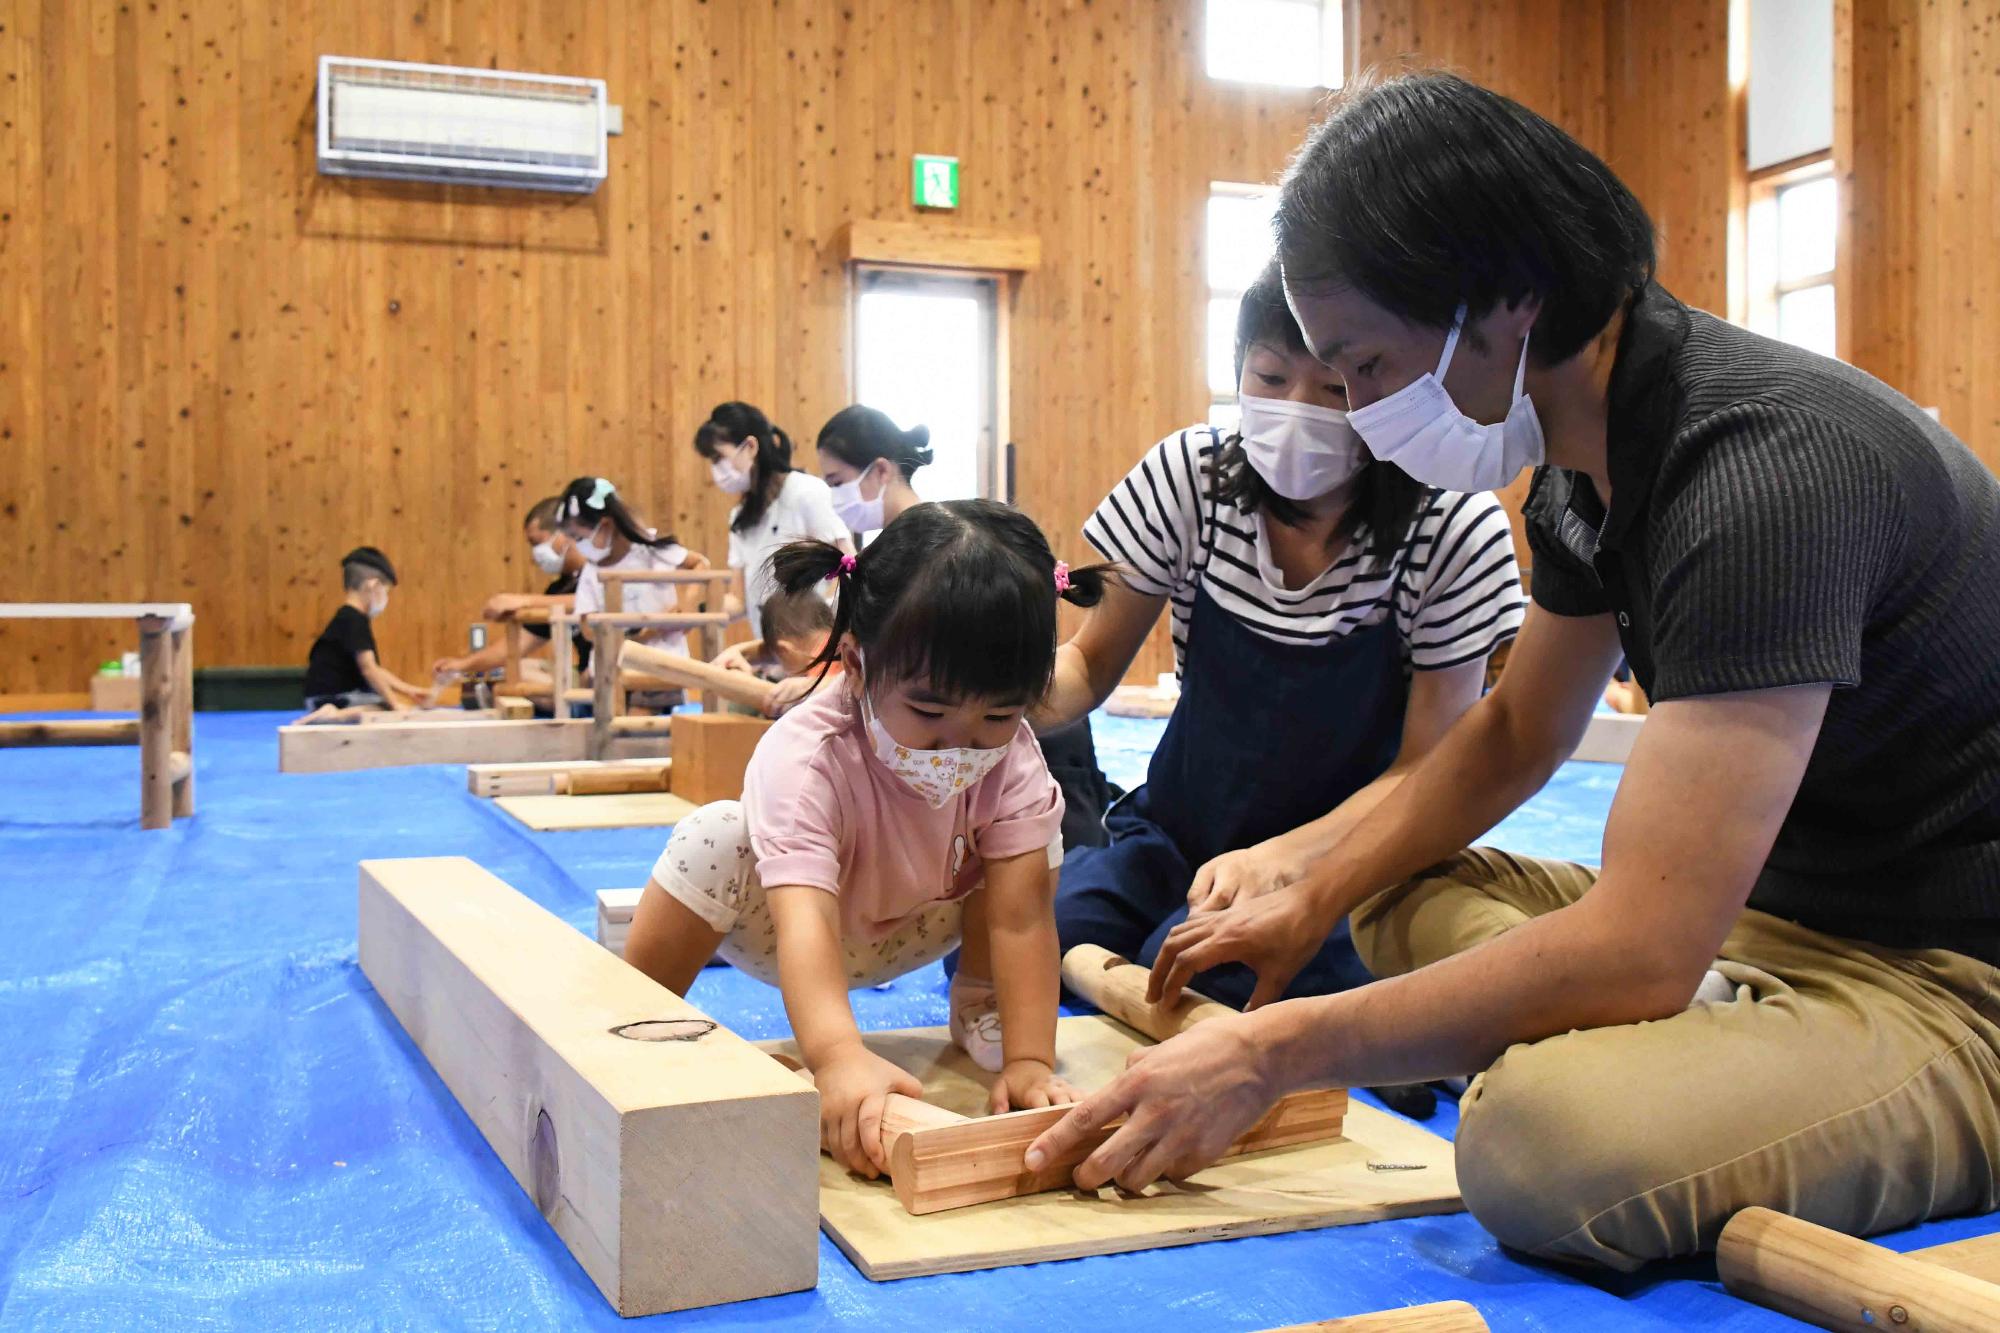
[164, 731]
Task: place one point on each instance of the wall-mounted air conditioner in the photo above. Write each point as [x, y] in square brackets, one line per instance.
[461, 126]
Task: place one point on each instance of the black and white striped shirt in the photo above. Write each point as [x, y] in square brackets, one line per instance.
[1456, 595]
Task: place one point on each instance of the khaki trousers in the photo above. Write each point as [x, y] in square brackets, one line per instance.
[1850, 1085]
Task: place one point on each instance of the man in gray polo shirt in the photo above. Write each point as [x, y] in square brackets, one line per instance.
[1781, 988]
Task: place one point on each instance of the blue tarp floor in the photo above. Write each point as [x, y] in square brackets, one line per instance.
[208, 1119]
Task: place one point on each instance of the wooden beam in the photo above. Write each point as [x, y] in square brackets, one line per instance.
[935, 245]
[1118, 988]
[1443, 1317]
[711, 752]
[677, 1162]
[90, 731]
[1839, 1282]
[978, 1161]
[655, 620]
[607, 696]
[176, 613]
[737, 686]
[316, 749]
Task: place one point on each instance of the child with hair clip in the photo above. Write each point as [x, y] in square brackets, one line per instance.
[898, 812]
[610, 537]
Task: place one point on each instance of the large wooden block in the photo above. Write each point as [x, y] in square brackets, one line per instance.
[711, 750]
[679, 1163]
[114, 694]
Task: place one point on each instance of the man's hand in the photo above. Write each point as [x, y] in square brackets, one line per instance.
[1274, 936]
[1026, 1084]
[1239, 876]
[1186, 1100]
[446, 667]
[853, 1086]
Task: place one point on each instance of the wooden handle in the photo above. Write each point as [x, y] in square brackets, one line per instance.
[611, 781]
[1119, 989]
[1444, 1317]
[1838, 1282]
[737, 686]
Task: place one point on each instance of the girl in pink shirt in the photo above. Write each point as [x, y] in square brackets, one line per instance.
[901, 811]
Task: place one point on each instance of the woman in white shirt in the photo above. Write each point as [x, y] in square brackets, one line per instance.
[750, 458]
[868, 461]
[610, 537]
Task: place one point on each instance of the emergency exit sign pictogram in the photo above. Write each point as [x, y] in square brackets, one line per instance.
[934, 181]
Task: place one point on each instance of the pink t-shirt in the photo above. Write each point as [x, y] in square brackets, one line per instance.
[825, 813]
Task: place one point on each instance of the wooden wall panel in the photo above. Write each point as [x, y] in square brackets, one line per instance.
[218, 370]
[1917, 151]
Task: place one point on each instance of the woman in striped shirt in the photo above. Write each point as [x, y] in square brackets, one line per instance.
[1331, 619]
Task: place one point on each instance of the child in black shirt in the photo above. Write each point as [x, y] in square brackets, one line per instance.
[341, 670]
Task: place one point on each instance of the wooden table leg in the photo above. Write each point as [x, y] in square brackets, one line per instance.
[156, 687]
[711, 644]
[183, 728]
[563, 645]
[605, 678]
[515, 633]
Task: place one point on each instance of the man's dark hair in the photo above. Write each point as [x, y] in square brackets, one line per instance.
[1424, 190]
[1385, 499]
[363, 563]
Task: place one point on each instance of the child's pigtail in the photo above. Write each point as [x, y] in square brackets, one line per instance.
[1085, 586]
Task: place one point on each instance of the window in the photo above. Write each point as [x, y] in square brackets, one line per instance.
[1794, 216]
[925, 352]
[1293, 43]
[1239, 245]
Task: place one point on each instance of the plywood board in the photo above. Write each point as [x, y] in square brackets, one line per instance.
[604, 1094]
[1978, 1257]
[645, 809]
[1292, 1189]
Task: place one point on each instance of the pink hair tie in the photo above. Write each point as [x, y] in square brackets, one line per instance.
[1062, 576]
[846, 566]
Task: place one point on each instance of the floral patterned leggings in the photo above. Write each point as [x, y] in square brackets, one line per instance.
[708, 868]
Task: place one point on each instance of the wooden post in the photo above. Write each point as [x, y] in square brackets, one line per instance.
[605, 676]
[184, 716]
[156, 740]
[563, 646]
[711, 751]
[514, 632]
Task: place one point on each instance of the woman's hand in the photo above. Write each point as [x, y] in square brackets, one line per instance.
[1275, 936]
[1186, 1100]
[1239, 876]
[1026, 1084]
[853, 1086]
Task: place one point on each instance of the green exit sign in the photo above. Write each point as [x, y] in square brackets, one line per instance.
[934, 181]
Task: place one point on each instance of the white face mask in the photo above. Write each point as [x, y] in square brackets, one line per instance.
[727, 478]
[857, 511]
[1301, 450]
[935, 775]
[378, 604]
[1420, 429]
[547, 558]
[594, 551]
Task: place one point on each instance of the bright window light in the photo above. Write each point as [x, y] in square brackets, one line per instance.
[1792, 223]
[1290, 43]
[1239, 246]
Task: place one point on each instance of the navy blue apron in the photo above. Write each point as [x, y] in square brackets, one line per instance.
[1267, 736]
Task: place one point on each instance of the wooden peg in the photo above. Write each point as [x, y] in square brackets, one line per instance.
[1119, 989]
[1838, 1282]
